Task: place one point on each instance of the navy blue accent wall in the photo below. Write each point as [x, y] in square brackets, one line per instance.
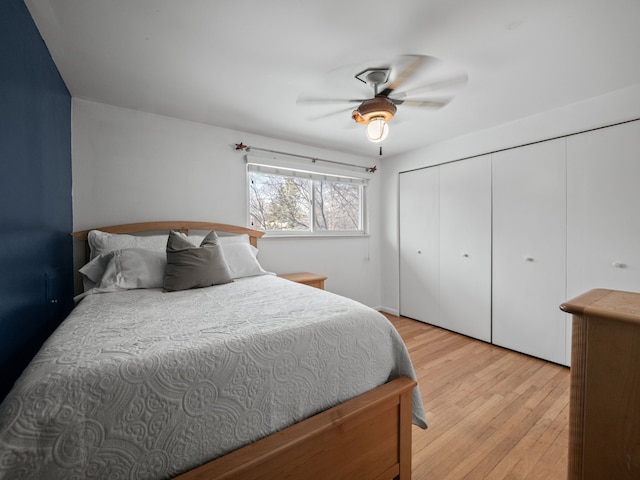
[36, 257]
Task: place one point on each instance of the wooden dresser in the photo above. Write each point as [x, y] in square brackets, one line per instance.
[307, 278]
[604, 429]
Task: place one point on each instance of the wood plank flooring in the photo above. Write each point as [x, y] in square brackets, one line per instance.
[492, 413]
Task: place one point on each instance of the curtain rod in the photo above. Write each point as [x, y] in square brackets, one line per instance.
[247, 148]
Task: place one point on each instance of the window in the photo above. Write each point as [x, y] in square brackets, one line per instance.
[296, 201]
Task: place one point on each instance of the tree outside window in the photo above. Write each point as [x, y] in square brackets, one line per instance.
[295, 202]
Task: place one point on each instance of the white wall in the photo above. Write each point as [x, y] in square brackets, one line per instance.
[608, 109]
[130, 166]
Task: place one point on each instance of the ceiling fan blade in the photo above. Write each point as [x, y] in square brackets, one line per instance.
[418, 62]
[455, 81]
[330, 114]
[328, 100]
[424, 103]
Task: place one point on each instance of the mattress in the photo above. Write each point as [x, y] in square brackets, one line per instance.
[149, 384]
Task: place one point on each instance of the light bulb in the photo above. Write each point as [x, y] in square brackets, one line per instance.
[377, 129]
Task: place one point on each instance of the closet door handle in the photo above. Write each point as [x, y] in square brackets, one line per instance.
[528, 259]
[419, 251]
[465, 255]
[619, 265]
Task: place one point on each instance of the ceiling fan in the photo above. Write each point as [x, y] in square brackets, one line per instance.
[376, 112]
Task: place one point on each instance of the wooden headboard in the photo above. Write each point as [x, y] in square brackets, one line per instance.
[183, 227]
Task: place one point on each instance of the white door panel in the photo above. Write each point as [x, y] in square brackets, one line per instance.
[465, 247]
[419, 244]
[604, 209]
[529, 250]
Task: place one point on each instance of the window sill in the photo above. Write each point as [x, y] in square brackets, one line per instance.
[298, 235]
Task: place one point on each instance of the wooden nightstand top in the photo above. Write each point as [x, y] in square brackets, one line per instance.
[307, 278]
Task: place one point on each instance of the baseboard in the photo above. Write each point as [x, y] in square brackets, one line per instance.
[392, 311]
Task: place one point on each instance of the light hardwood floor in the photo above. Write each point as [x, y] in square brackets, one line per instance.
[492, 413]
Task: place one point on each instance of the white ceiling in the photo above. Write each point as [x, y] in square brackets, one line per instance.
[242, 64]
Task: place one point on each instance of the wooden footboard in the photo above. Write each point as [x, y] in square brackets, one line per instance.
[367, 437]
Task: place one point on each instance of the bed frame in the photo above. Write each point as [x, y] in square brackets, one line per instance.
[367, 437]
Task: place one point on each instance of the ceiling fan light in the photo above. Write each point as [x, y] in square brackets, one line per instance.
[377, 129]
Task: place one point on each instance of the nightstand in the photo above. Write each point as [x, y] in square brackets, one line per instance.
[311, 279]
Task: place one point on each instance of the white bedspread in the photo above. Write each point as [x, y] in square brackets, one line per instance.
[147, 384]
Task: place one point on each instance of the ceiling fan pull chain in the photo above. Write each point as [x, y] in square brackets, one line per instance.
[380, 150]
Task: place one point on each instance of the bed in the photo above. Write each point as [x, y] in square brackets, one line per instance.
[255, 377]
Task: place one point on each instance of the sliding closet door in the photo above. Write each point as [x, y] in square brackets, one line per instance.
[419, 244]
[604, 209]
[465, 247]
[529, 250]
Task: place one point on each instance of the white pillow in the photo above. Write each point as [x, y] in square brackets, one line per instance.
[242, 260]
[92, 272]
[102, 242]
[229, 239]
[222, 239]
[126, 269]
[143, 265]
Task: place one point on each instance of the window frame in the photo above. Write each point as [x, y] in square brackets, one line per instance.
[312, 176]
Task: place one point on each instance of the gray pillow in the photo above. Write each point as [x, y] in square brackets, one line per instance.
[194, 267]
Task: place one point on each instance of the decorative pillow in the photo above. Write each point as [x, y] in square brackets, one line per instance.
[102, 242]
[242, 260]
[194, 267]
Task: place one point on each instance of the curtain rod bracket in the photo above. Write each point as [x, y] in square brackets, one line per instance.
[247, 148]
